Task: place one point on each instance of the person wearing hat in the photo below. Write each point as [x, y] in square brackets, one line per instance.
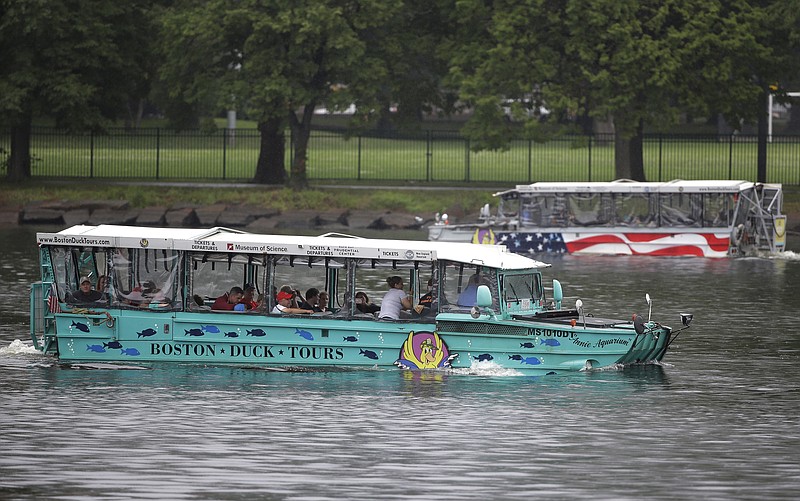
[284, 305]
[85, 292]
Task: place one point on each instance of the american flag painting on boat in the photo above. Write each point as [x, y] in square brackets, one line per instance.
[677, 218]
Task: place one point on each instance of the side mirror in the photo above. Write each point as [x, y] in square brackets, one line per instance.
[686, 319]
[558, 293]
[483, 296]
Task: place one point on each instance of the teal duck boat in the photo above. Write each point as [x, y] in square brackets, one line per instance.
[220, 296]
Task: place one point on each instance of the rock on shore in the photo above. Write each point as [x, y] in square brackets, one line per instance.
[242, 216]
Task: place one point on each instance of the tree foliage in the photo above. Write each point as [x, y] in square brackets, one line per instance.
[633, 62]
[277, 61]
[76, 62]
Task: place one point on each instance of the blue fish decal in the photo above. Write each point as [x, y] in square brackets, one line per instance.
[95, 348]
[515, 357]
[194, 332]
[304, 334]
[352, 339]
[531, 361]
[80, 326]
[147, 333]
[256, 333]
[550, 342]
[113, 344]
[131, 352]
[369, 354]
[484, 357]
[210, 328]
[526, 345]
[231, 334]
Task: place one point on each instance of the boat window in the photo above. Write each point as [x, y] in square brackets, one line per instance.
[508, 206]
[302, 273]
[214, 274]
[635, 209]
[459, 283]
[544, 210]
[681, 209]
[370, 278]
[146, 278]
[522, 292]
[71, 265]
[590, 209]
[718, 210]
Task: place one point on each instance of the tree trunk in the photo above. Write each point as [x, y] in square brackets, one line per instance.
[19, 162]
[270, 167]
[628, 155]
[301, 132]
[763, 118]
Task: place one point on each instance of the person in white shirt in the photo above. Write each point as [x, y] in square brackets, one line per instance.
[395, 300]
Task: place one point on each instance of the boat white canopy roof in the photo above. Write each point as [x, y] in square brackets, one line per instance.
[627, 186]
[226, 240]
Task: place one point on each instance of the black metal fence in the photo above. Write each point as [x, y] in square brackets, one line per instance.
[438, 156]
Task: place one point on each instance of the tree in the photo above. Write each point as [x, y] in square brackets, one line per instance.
[72, 61]
[277, 61]
[636, 62]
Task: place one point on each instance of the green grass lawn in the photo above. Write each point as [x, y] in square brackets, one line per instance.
[425, 157]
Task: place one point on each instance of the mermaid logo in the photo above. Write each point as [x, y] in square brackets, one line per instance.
[484, 236]
[424, 350]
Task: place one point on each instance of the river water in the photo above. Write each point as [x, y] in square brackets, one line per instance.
[719, 420]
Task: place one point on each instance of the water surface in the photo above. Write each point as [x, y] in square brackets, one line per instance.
[719, 420]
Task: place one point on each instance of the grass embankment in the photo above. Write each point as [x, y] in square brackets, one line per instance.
[388, 198]
[456, 200]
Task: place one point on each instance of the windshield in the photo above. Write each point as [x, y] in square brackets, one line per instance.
[522, 292]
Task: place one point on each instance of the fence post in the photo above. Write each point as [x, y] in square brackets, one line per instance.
[660, 153]
[359, 157]
[428, 155]
[530, 159]
[224, 151]
[590, 158]
[91, 153]
[466, 160]
[730, 156]
[158, 151]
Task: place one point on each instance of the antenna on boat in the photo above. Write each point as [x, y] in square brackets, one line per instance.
[649, 305]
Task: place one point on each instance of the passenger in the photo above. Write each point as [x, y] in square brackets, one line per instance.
[85, 294]
[324, 299]
[284, 305]
[311, 301]
[427, 298]
[469, 296]
[291, 290]
[248, 301]
[395, 301]
[102, 284]
[229, 300]
[364, 306]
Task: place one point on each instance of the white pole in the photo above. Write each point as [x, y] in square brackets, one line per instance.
[769, 120]
[232, 127]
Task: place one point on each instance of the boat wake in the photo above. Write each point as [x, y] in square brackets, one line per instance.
[486, 368]
[18, 347]
[785, 256]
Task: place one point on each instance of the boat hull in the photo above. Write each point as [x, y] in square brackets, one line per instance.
[606, 241]
[455, 341]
